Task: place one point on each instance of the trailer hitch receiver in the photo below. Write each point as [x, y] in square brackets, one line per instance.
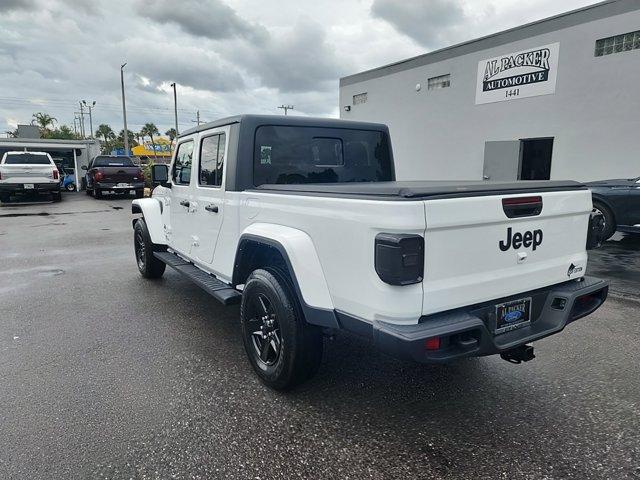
[520, 354]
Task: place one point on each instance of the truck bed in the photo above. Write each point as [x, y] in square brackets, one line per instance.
[421, 190]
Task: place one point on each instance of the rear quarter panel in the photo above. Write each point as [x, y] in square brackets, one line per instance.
[343, 232]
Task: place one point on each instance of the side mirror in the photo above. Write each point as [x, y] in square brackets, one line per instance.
[160, 176]
[83, 167]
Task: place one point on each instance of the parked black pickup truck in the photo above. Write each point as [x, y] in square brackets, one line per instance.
[107, 173]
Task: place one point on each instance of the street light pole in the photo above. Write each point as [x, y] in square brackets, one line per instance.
[175, 106]
[90, 107]
[124, 111]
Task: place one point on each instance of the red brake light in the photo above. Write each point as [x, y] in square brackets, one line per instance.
[521, 200]
[98, 176]
[56, 175]
[432, 343]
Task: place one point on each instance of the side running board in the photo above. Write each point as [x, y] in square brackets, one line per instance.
[210, 284]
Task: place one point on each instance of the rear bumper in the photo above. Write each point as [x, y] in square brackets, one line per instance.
[468, 332]
[114, 186]
[14, 188]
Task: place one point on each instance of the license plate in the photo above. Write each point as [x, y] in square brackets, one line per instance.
[124, 185]
[28, 186]
[513, 314]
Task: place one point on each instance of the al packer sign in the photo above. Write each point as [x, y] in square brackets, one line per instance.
[528, 73]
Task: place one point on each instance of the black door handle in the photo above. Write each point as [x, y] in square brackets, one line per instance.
[185, 203]
[211, 208]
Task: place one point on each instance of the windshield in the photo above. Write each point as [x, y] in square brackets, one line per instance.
[26, 159]
[113, 162]
[296, 155]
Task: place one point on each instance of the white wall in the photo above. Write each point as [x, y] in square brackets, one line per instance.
[594, 115]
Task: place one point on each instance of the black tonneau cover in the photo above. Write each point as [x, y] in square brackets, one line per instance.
[423, 189]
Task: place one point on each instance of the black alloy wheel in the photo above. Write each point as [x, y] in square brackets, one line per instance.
[149, 265]
[283, 349]
[265, 336]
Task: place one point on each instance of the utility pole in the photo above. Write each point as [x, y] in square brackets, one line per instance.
[75, 126]
[79, 118]
[286, 108]
[82, 132]
[197, 120]
[175, 106]
[93, 104]
[124, 111]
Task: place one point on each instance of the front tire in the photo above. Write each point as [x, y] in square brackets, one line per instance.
[71, 187]
[148, 265]
[282, 348]
[97, 193]
[609, 220]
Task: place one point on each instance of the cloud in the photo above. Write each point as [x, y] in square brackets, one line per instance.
[204, 18]
[425, 21]
[190, 66]
[298, 59]
[11, 5]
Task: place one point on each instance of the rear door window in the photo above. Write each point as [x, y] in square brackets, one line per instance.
[212, 160]
[113, 162]
[181, 172]
[26, 159]
[296, 155]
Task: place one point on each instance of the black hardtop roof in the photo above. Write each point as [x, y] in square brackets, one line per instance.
[286, 120]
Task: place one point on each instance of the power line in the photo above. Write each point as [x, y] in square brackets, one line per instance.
[71, 104]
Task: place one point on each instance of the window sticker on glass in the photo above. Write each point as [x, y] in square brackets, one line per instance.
[265, 154]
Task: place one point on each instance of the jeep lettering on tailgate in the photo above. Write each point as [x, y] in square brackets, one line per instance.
[517, 240]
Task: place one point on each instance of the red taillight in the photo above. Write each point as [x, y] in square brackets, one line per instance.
[56, 175]
[432, 343]
[98, 176]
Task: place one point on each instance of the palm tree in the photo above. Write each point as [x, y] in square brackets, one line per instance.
[172, 134]
[43, 120]
[106, 132]
[131, 135]
[150, 130]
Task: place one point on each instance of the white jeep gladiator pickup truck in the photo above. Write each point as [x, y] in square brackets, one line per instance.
[302, 222]
[28, 172]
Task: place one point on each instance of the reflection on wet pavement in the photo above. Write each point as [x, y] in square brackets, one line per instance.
[618, 260]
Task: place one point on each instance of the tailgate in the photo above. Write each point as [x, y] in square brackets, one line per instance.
[120, 174]
[27, 173]
[475, 253]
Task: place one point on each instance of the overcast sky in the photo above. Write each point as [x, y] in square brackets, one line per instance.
[227, 56]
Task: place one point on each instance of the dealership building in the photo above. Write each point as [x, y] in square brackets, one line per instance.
[555, 99]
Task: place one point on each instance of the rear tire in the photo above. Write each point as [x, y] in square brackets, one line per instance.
[71, 187]
[97, 193]
[148, 265]
[609, 220]
[283, 349]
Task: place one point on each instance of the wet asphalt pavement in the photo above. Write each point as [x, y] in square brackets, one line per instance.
[106, 375]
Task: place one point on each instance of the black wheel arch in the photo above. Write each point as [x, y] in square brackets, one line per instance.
[256, 252]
